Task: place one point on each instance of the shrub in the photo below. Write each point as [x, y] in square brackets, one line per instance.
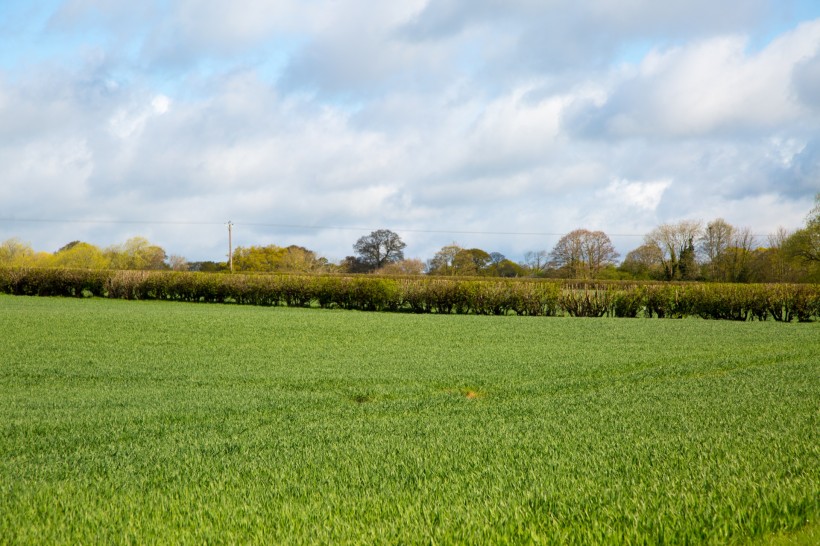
[664, 301]
[628, 302]
[783, 302]
[585, 301]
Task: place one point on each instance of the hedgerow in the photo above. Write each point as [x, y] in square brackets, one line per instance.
[741, 302]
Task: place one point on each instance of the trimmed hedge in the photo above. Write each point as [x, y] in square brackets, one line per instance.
[780, 302]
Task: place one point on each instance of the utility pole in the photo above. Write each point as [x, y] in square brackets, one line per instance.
[230, 245]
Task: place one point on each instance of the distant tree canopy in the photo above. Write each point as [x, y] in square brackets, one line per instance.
[136, 253]
[378, 249]
[686, 250]
[645, 262]
[411, 266]
[454, 260]
[581, 254]
[804, 244]
[16, 253]
[208, 266]
[507, 268]
[272, 258]
[722, 252]
[80, 255]
[677, 245]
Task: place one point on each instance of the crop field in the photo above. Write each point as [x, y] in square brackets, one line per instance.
[149, 421]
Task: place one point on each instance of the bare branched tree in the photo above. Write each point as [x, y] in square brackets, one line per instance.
[582, 253]
[712, 245]
[674, 240]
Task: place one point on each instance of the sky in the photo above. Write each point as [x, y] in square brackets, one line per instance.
[497, 124]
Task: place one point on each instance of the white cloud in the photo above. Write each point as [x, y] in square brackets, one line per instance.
[160, 104]
[483, 116]
[53, 170]
[640, 195]
[709, 86]
[129, 121]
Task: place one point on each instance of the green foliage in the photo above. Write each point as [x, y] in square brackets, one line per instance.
[787, 302]
[52, 282]
[628, 303]
[666, 301]
[378, 249]
[15, 253]
[585, 302]
[644, 263]
[80, 255]
[136, 253]
[477, 295]
[272, 258]
[729, 301]
[506, 268]
[150, 422]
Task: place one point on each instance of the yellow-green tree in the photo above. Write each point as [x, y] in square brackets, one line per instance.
[136, 253]
[454, 260]
[16, 253]
[411, 266]
[443, 262]
[80, 255]
[273, 258]
[802, 247]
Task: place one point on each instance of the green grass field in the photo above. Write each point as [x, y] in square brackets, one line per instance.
[167, 422]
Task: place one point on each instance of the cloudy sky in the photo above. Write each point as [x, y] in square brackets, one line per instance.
[498, 124]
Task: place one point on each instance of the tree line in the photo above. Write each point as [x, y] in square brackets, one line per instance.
[688, 250]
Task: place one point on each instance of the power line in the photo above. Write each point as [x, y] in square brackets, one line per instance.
[144, 222]
[410, 230]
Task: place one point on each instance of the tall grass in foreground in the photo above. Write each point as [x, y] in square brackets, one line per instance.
[158, 422]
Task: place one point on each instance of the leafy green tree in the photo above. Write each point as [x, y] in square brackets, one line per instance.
[354, 264]
[499, 267]
[208, 266]
[802, 248]
[508, 268]
[379, 248]
[496, 258]
[473, 261]
[804, 244]
[688, 265]
[775, 263]
[454, 260]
